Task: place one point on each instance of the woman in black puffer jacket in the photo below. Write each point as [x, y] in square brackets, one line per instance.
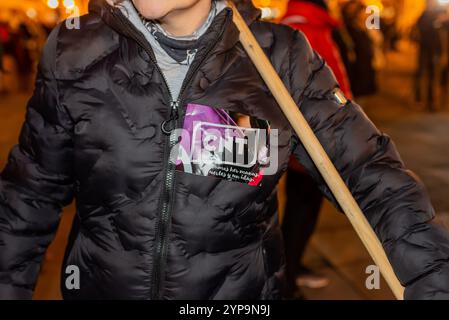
[100, 127]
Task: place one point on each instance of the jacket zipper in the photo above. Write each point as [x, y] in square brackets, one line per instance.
[167, 198]
[169, 182]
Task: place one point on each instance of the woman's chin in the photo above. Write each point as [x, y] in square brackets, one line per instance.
[153, 11]
[154, 15]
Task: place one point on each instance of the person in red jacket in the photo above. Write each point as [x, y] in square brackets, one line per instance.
[303, 196]
[314, 20]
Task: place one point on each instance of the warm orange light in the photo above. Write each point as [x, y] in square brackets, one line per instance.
[272, 9]
[69, 4]
[53, 4]
[264, 3]
[377, 3]
[31, 13]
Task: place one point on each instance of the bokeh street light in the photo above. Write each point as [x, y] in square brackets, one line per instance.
[53, 4]
[69, 4]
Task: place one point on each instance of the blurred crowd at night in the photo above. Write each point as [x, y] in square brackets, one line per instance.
[25, 25]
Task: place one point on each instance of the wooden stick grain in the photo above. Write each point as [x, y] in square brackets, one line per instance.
[317, 153]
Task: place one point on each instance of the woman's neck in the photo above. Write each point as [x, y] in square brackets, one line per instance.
[185, 22]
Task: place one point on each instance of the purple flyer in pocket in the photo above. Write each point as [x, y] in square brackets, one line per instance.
[222, 144]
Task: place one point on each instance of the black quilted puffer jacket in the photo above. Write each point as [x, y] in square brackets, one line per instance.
[144, 230]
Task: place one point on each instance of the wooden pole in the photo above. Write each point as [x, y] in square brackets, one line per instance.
[317, 153]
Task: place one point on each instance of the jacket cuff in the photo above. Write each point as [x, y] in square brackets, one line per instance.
[10, 292]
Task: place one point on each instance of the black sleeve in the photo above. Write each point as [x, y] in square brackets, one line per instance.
[393, 199]
[35, 185]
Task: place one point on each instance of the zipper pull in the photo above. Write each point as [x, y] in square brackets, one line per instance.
[169, 125]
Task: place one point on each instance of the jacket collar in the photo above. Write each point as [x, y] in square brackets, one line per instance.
[110, 16]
